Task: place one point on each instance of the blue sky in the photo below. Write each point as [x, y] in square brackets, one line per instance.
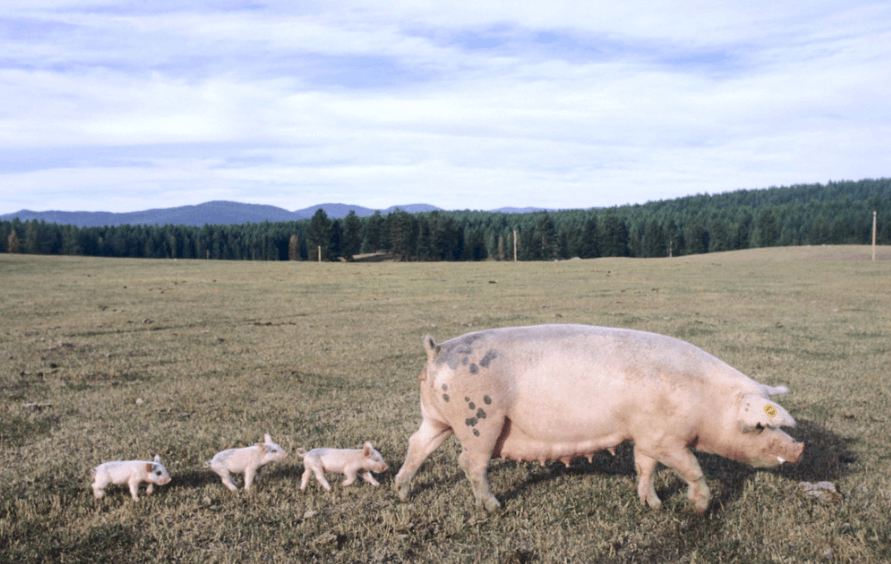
[109, 105]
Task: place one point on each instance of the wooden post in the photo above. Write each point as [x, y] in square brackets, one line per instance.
[320, 253]
[515, 245]
[873, 236]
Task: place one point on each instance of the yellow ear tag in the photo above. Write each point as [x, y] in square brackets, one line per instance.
[770, 410]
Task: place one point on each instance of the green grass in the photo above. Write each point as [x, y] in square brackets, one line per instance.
[220, 353]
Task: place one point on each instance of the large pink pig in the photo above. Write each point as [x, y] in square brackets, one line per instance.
[559, 392]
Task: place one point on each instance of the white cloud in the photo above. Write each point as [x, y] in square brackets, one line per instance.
[482, 105]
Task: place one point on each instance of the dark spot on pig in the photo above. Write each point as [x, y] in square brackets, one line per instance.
[465, 361]
[445, 388]
[467, 399]
[472, 406]
[470, 422]
[491, 355]
[474, 369]
[487, 400]
[453, 362]
[464, 350]
[480, 413]
[476, 433]
[445, 398]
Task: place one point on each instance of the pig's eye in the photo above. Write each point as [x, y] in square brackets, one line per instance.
[759, 428]
[158, 473]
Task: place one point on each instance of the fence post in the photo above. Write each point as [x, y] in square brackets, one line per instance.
[320, 253]
[873, 235]
[515, 245]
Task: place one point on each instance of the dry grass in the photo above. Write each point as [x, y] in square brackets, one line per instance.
[328, 355]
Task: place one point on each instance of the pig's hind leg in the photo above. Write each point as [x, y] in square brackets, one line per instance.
[311, 467]
[226, 478]
[424, 441]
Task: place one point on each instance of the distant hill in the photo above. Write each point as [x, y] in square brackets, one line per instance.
[214, 213]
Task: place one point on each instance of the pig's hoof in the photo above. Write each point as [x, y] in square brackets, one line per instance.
[491, 504]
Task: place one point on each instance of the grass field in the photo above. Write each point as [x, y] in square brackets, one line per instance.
[187, 358]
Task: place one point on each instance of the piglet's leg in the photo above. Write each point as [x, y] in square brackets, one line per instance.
[320, 476]
[227, 480]
[350, 474]
[150, 488]
[307, 472]
[249, 477]
[134, 488]
[366, 475]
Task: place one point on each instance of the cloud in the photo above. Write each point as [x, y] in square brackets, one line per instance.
[481, 105]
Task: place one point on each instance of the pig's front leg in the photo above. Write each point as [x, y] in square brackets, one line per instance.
[366, 475]
[249, 474]
[150, 488]
[134, 488]
[350, 474]
[646, 466]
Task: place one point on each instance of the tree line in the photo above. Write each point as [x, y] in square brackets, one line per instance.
[816, 214]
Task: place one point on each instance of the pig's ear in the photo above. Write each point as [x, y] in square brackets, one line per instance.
[775, 390]
[758, 412]
[157, 459]
[267, 438]
[148, 467]
[367, 448]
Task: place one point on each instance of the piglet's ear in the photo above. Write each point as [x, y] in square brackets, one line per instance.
[267, 438]
[366, 448]
[755, 411]
[157, 459]
[148, 467]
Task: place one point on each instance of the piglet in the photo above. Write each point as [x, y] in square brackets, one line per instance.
[345, 461]
[131, 472]
[248, 460]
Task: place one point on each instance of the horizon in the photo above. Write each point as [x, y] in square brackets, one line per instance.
[575, 105]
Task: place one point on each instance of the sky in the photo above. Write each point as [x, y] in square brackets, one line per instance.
[112, 105]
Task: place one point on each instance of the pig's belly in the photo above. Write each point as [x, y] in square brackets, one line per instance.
[556, 439]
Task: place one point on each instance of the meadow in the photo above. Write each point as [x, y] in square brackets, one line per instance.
[117, 359]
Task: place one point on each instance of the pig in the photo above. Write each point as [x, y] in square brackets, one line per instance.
[560, 392]
[362, 461]
[131, 472]
[248, 460]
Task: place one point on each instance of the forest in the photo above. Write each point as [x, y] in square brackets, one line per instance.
[813, 214]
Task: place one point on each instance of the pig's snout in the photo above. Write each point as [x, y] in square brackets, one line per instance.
[795, 450]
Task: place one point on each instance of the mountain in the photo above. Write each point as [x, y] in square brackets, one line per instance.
[215, 213]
